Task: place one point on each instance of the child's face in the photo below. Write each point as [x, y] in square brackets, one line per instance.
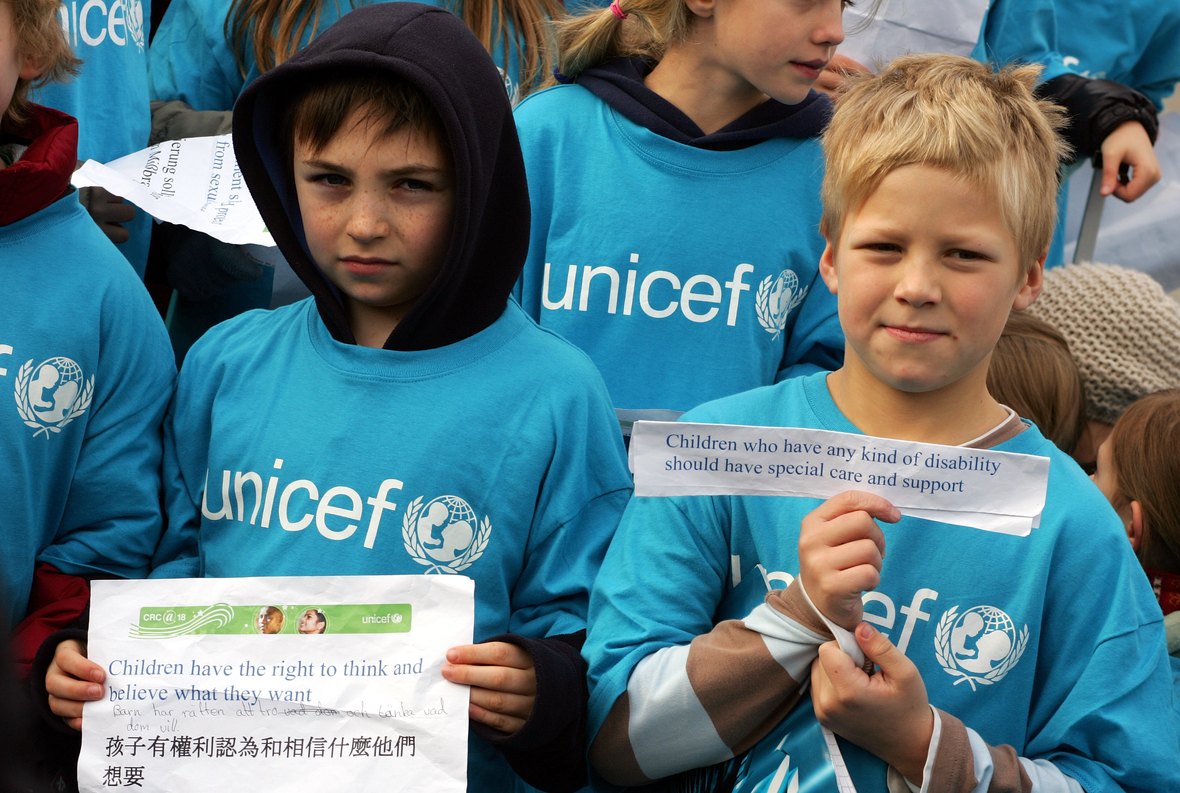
[777, 46]
[13, 65]
[1104, 475]
[376, 213]
[925, 274]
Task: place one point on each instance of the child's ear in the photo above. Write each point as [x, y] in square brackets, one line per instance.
[30, 67]
[827, 267]
[701, 8]
[1135, 526]
[1034, 282]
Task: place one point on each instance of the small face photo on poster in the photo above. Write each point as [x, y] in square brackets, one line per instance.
[313, 621]
[270, 619]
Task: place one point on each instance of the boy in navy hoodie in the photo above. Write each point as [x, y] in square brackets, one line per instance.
[405, 419]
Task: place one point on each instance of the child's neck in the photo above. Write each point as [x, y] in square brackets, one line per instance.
[371, 325]
[954, 414]
[712, 96]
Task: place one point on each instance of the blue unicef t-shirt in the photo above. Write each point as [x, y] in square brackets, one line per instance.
[86, 372]
[686, 274]
[109, 97]
[290, 453]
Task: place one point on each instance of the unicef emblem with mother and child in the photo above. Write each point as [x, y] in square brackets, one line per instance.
[444, 534]
[52, 394]
[980, 646]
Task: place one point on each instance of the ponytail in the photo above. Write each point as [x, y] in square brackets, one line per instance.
[277, 28]
[641, 27]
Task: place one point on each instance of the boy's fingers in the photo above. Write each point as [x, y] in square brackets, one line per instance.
[491, 654]
[515, 705]
[878, 649]
[493, 678]
[854, 501]
[498, 721]
[70, 658]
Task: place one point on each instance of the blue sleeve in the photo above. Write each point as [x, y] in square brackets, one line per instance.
[111, 518]
[578, 509]
[1021, 31]
[816, 341]
[187, 429]
[660, 586]
[190, 60]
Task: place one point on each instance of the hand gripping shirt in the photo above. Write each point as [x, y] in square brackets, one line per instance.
[290, 453]
[1050, 645]
[686, 274]
[87, 372]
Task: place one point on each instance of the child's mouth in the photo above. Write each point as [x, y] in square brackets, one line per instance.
[913, 334]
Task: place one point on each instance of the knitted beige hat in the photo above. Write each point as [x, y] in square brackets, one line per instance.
[1122, 328]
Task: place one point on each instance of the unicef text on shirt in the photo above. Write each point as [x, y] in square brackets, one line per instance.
[776, 296]
[92, 22]
[687, 298]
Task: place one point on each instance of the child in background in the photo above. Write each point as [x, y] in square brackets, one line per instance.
[85, 355]
[1139, 473]
[1132, 352]
[109, 98]
[384, 160]
[1032, 372]
[675, 190]
[930, 246]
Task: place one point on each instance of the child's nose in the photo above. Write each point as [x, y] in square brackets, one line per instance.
[918, 282]
[830, 26]
[369, 219]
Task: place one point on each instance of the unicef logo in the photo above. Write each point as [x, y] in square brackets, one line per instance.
[133, 17]
[979, 647]
[445, 534]
[777, 297]
[52, 394]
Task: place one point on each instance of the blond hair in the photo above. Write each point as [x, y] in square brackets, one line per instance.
[1032, 372]
[650, 27]
[275, 30]
[958, 115]
[38, 33]
[1144, 446]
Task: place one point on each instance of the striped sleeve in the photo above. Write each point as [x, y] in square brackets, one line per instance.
[960, 761]
[723, 692]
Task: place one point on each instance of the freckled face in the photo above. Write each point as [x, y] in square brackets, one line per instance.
[925, 274]
[376, 212]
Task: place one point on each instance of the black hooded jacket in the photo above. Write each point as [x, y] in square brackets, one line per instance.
[619, 83]
[436, 52]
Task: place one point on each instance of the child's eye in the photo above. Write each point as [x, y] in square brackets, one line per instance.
[330, 179]
[415, 185]
[966, 255]
[883, 247]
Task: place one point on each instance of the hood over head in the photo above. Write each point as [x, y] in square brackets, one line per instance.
[436, 52]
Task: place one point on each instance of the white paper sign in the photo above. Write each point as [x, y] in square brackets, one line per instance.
[902, 27]
[994, 491]
[324, 683]
[193, 182]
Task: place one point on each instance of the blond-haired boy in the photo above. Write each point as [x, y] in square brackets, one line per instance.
[938, 210]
